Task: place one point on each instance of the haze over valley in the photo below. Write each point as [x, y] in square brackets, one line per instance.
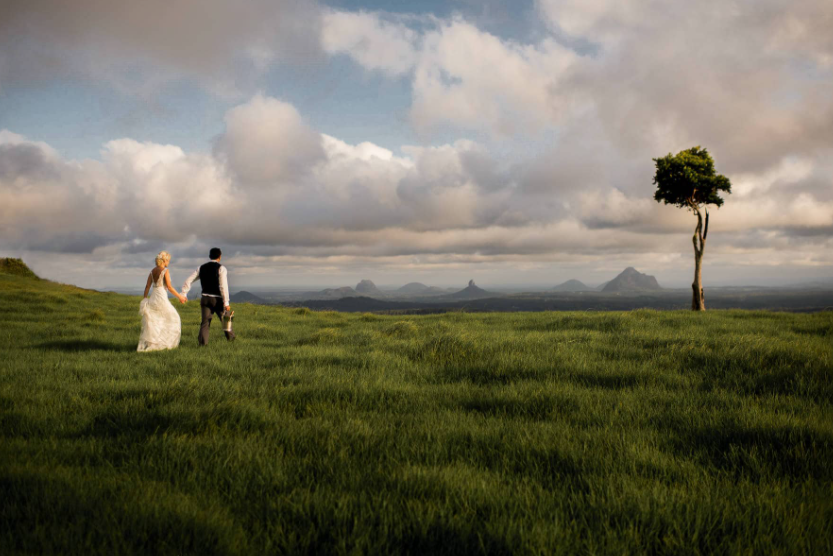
[628, 290]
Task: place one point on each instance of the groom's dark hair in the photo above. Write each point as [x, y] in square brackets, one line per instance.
[215, 253]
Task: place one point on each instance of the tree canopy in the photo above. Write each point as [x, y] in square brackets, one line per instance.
[688, 179]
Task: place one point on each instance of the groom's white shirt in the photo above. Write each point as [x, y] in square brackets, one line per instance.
[223, 284]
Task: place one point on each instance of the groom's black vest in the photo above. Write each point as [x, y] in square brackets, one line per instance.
[210, 278]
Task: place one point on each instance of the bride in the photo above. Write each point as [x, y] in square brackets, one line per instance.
[161, 325]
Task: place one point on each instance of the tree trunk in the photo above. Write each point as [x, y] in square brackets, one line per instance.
[698, 297]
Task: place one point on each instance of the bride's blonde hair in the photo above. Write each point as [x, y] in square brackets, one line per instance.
[162, 257]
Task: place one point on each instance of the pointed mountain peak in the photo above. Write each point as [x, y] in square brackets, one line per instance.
[472, 291]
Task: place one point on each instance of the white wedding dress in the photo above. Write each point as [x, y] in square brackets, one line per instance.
[161, 325]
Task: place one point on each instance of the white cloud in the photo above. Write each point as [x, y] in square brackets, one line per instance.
[374, 43]
[603, 20]
[475, 80]
[267, 142]
[789, 171]
[166, 194]
[448, 202]
[663, 76]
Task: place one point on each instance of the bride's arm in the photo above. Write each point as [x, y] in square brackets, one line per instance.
[150, 281]
[171, 288]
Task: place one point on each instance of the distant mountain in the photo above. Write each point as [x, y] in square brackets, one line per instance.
[247, 297]
[336, 293]
[601, 286]
[418, 289]
[470, 292]
[413, 287]
[369, 289]
[631, 280]
[572, 286]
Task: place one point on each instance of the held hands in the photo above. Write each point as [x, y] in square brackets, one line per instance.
[183, 299]
[228, 307]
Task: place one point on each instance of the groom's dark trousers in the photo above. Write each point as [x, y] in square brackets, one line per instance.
[211, 306]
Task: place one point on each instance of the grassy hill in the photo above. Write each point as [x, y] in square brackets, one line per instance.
[331, 433]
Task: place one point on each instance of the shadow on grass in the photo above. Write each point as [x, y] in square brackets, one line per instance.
[36, 504]
[483, 375]
[537, 408]
[622, 381]
[72, 346]
[137, 424]
[443, 538]
[759, 451]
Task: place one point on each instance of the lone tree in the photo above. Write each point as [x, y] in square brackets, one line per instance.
[688, 180]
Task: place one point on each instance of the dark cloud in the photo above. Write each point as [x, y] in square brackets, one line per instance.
[136, 44]
[25, 161]
[72, 242]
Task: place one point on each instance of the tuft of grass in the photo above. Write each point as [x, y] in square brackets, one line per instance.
[402, 328]
[323, 336]
[303, 311]
[96, 315]
[16, 267]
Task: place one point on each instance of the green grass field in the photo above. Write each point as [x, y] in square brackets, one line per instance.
[330, 433]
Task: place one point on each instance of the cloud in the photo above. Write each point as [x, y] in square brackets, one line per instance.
[545, 150]
[376, 44]
[475, 80]
[47, 202]
[460, 74]
[671, 74]
[267, 143]
[751, 80]
[165, 194]
[261, 193]
[137, 46]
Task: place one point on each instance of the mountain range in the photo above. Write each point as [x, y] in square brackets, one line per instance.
[629, 280]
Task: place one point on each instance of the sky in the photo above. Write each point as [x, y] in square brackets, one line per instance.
[319, 143]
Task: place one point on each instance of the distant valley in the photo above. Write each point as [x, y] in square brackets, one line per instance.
[628, 290]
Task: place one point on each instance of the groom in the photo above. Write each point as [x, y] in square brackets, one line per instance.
[214, 281]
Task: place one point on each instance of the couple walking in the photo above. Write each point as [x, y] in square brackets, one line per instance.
[161, 325]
